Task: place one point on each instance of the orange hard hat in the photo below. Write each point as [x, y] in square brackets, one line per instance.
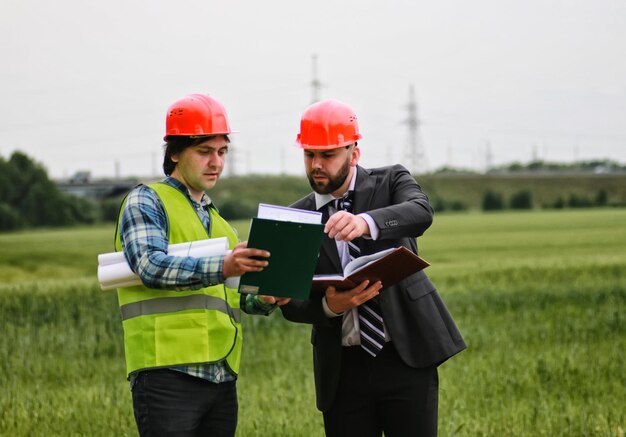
[196, 115]
[328, 124]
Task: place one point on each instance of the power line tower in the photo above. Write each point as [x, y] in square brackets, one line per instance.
[416, 158]
[233, 158]
[231, 161]
[316, 85]
[488, 156]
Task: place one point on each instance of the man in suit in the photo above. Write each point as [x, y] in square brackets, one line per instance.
[370, 377]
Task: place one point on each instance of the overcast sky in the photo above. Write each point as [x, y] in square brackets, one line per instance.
[84, 85]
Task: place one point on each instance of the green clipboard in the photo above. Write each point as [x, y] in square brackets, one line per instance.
[294, 250]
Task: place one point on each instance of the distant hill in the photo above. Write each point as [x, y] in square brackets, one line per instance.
[237, 197]
[547, 189]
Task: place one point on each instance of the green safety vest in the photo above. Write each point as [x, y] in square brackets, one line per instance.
[165, 328]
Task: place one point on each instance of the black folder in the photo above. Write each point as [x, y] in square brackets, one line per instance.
[294, 250]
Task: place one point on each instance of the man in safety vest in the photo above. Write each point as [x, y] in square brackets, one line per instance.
[182, 326]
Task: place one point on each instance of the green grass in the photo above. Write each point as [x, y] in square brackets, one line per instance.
[539, 298]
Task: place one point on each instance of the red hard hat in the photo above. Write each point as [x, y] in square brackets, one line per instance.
[328, 124]
[196, 115]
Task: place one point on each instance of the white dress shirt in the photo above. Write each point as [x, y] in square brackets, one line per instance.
[350, 330]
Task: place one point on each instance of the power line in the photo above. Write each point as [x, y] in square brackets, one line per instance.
[316, 85]
[416, 158]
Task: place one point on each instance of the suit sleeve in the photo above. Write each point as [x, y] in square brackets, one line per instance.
[404, 210]
[306, 311]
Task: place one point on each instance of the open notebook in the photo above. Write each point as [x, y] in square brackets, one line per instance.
[388, 266]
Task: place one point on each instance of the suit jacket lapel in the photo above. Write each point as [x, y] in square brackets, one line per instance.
[329, 247]
[363, 193]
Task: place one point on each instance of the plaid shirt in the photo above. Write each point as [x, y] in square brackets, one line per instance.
[143, 233]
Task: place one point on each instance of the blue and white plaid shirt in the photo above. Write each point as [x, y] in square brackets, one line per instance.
[143, 233]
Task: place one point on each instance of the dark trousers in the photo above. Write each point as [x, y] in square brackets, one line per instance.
[171, 403]
[382, 394]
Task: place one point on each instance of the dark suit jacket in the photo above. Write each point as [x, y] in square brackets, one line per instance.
[418, 322]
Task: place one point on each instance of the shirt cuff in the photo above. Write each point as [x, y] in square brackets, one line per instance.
[211, 270]
[374, 231]
[327, 310]
[262, 306]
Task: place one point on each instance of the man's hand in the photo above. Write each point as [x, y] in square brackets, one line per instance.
[280, 301]
[341, 301]
[344, 226]
[240, 260]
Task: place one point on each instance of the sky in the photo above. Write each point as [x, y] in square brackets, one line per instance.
[85, 85]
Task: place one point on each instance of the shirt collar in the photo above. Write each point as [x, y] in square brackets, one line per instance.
[204, 201]
[323, 199]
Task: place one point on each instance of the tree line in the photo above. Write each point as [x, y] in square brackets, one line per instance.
[597, 166]
[28, 198]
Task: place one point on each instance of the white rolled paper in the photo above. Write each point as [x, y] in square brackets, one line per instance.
[114, 271]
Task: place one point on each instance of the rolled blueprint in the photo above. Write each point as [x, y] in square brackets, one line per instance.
[114, 271]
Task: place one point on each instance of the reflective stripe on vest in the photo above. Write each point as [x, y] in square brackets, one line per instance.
[171, 304]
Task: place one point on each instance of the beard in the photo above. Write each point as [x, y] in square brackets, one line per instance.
[334, 181]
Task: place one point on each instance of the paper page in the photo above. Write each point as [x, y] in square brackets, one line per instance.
[286, 214]
[202, 250]
[209, 245]
[327, 278]
[113, 285]
[113, 273]
[105, 259]
[360, 262]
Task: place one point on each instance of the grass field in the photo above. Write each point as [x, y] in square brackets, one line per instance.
[539, 297]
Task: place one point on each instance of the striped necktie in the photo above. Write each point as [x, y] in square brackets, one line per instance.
[372, 330]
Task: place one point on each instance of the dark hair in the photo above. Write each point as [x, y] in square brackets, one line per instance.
[176, 144]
